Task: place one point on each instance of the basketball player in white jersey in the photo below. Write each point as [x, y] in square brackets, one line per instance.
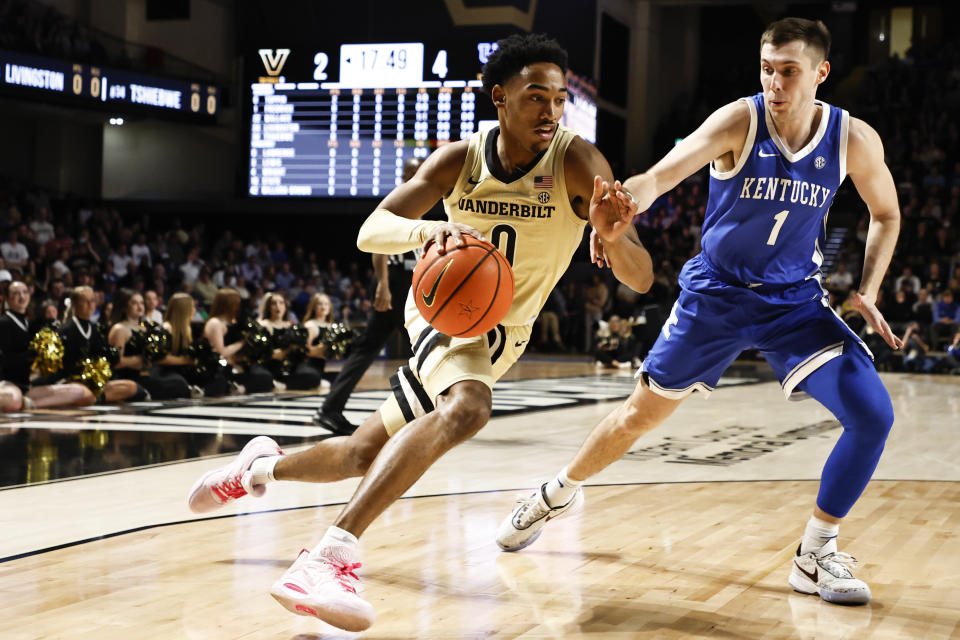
[776, 160]
[530, 186]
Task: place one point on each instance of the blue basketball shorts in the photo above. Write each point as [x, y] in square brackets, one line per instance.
[712, 322]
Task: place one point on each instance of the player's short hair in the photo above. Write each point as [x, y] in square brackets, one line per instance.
[517, 51]
[813, 33]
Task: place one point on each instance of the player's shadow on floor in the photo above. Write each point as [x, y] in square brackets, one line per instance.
[650, 618]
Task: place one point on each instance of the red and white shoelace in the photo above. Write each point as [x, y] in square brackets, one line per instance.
[229, 488]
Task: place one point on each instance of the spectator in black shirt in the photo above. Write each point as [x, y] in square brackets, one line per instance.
[83, 256]
[923, 309]
[899, 312]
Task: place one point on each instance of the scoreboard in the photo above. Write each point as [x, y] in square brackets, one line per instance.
[93, 86]
[347, 122]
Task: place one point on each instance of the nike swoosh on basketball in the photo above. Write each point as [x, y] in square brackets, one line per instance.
[813, 576]
[428, 298]
[765, 155]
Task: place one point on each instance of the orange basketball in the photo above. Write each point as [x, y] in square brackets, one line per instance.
[466, 291]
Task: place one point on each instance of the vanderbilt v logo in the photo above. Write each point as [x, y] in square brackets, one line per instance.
[273, 61]
[428, 298]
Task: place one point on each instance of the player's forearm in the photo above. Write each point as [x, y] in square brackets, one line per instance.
[881, 241]
[631, 262]
[644, 189]
[387, 233]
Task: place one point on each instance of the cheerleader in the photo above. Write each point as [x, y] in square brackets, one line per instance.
[223, 316]
[128, 334]
[16, 332]
[287, 362]
[81, 340]
[201, 371]
[318, 318]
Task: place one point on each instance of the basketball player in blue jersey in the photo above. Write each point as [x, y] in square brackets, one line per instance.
[776, 161]
[489, 187]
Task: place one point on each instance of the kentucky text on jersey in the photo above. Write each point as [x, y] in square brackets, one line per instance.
[495, 208]
[788, 190]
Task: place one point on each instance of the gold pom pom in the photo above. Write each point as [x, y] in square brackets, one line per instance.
[95, 373]
[338, 337]
[49, 349]
[156, 341]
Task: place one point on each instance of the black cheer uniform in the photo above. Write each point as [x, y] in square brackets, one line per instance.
[82, 339]
[15, 335]
[296, 371]
[255, 378]
[161, 384]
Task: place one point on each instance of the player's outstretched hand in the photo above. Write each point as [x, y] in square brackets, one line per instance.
[597, 255]
[454, 230]
[611, 209]
[875, 319]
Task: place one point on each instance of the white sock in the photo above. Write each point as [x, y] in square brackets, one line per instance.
[261, 470]
[561, 489]
[335, 537]
[817, 534]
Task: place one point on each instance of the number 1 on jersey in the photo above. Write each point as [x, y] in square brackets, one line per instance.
[780, 218]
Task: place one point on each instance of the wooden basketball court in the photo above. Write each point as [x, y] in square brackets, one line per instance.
[689, 536]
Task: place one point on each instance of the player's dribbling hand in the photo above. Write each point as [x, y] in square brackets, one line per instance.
[875, 319]
[454, 230]
[611, 209]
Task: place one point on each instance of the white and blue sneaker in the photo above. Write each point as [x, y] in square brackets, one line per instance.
[825, 572]
[531, 514]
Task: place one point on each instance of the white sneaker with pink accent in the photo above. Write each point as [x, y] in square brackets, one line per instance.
[225, 484]
[325, 586]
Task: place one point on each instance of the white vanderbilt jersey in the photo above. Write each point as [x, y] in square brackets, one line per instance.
[529, 219]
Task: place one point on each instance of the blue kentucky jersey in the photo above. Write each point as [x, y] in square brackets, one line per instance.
[766, 218]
